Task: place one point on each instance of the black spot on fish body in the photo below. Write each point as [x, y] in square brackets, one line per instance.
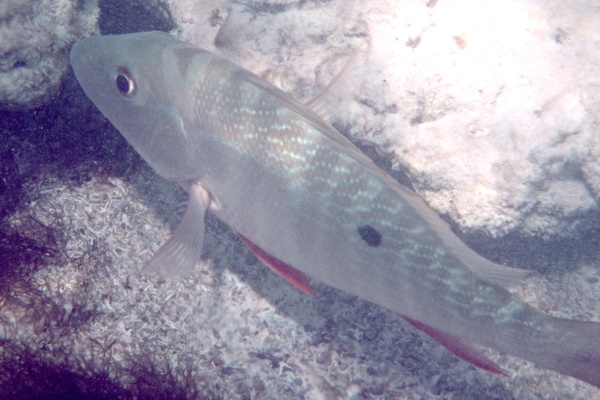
[370, 235]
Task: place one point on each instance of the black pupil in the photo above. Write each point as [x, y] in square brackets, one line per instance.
[122, 84]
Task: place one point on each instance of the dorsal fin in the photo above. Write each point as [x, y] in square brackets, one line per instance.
[483, 268]
[309, 116]
[319, 103]
[480, 266]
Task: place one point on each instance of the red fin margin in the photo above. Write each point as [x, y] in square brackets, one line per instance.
[460, 348]
[287, 272]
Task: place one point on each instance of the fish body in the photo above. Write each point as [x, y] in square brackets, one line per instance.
[309, 203]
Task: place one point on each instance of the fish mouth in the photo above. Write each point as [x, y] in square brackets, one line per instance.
[79, 56]
[85, 63]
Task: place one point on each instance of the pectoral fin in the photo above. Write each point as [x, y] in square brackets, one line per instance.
[179, 255]
[287, 272]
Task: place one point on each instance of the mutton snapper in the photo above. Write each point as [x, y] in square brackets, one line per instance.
[309, 203]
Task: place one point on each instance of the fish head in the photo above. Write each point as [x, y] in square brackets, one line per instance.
[138, 82]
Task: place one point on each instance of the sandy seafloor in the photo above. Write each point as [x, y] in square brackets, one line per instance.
[81, 213]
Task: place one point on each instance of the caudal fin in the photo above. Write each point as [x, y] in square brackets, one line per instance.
[574, 350]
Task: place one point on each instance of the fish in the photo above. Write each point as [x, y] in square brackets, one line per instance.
[309, 204]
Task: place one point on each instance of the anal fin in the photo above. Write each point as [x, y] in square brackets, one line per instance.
[287, 272]
[460, 348]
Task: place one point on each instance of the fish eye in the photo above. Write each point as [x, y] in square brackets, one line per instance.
[125, 83]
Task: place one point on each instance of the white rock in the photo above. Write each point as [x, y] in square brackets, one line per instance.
[34, 40]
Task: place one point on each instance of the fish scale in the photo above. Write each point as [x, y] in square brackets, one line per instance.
[308, 203]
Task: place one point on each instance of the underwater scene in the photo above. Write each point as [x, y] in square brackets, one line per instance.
[299, 199]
